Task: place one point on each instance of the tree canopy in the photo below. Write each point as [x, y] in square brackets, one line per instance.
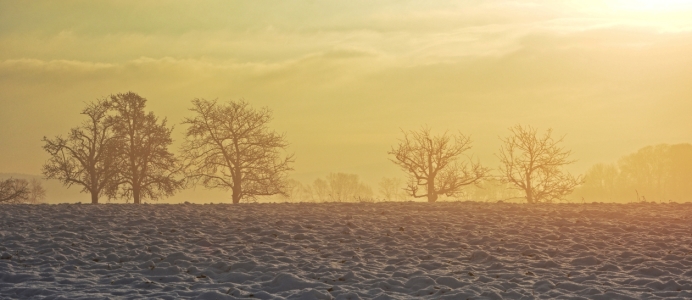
[432, 163]
[87, 156]
[230, 146]
[146, 169]
[533, 164]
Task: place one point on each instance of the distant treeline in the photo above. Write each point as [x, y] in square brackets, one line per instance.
[659, 173]
[121, 151]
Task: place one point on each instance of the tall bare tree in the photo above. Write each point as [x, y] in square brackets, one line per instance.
[533, 164]
[432, 163]
[146, 169]
[14, 191]
[86, 156]
[230, 146]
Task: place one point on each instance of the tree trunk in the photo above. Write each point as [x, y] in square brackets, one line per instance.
[236, 198]
[529, 189]
[135, 195]
[236, 189]
[94, 187]
[236, 194]
[94, 198]
[432, 195]
[529, 196]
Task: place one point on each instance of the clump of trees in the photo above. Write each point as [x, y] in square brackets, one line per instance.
[344, 187]
[119, 151]
[122, 151]
[15, 190]
[341, 187]
[653, 173]
[433, 165]
[335, 187]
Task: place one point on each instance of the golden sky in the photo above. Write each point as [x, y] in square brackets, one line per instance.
[343, 77]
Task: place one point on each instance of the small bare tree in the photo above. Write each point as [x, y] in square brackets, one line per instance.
[432, 163]
[14, 191]
[347, 187]
[230, 146]
[533, 164]
[297, 192]
[146, 169]
[392, 189]
[36, 191]
[322, 189]
[86, 157]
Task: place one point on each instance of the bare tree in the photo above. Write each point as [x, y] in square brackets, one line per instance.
[14, 191]
[230, 146]
[86, 156]
[146, 169]
[297, 192]
[36, 191]
[392, 189]
[344, 187]
[432, 163]
[338, 187]
[533, 163]
[322, 190]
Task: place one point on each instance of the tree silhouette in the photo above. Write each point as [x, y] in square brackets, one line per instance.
[533, 165]
[146, 169]
[432, 163]
[87, 156]
[14, 191]
[230, 146]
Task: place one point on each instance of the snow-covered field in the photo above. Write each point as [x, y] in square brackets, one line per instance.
[347, 251]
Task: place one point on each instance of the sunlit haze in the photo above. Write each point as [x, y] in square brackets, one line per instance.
[343, 79]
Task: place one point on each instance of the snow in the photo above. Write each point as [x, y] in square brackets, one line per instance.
[449, 250]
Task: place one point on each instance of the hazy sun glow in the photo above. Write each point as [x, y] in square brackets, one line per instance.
[344, 77]
[654, 5]
[670, 15]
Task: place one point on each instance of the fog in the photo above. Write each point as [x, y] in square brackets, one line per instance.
[343, 79]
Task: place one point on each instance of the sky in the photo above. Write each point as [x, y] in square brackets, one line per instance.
[344, 78]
